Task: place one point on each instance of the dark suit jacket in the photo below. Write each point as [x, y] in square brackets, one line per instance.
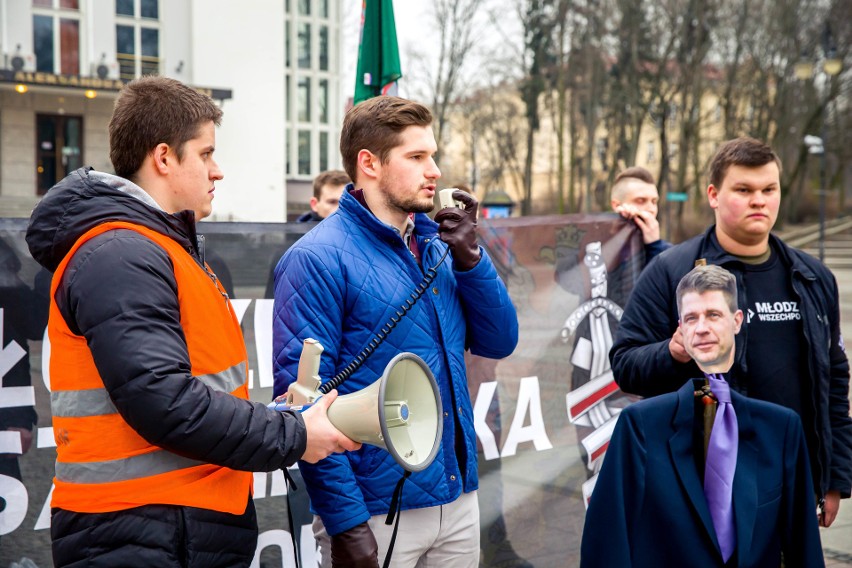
[648, 507]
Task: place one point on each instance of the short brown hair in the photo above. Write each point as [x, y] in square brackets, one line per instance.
[154, 110]
[329, 177]
[707, 278]
[636, 172]
[743, 151]
[375, 125]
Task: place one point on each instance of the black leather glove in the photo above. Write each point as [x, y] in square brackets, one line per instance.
[355, 548]
[457, 228]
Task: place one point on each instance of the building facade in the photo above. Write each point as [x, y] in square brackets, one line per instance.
[274, 67]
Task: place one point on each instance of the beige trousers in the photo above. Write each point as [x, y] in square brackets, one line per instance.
[445, 536]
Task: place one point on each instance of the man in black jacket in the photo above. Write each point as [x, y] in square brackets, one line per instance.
[790, 350]
[148, 366]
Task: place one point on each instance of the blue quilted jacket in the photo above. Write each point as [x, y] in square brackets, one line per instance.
[339, 284]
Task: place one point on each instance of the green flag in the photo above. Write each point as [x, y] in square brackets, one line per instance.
[378, 54]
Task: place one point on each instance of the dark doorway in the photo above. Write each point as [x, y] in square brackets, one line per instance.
[59, 148]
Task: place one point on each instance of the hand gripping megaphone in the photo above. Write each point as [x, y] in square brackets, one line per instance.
[400, 412]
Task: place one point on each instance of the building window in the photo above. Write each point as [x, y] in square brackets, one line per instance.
[287, 46]
[305, 7]
[124, 7]
[147, 8]
[303, 46]
[304, 152]
[651, 153]
[323, 48]
[673, 110]
[137, 38]
[323, 10]
[673, 149]
[304, 100]
[60, 148]
[323, 101]
[56, 36]
[63, 4]
[287, 145]
[323, 151]
[288, 105]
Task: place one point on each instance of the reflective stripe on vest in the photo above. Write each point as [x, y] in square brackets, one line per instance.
[102, 463]
[96, 402]
[143, 465]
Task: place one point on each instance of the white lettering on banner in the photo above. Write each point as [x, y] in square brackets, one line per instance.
[10, 442]
[480, 412]
[263, 341]
[529, 400]
[43, 521]
[15, 495]
[45, 360]
[240, 306]
[259, 485]
[279, 484]
[281, 539]
[45, 438]
[13, 397]
[12, 491]
[10, 355]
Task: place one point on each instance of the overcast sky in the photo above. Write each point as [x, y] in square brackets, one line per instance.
[412, 32]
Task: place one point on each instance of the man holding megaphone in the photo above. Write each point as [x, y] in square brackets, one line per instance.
[380, 259]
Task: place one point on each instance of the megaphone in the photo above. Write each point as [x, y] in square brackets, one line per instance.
[400, 412]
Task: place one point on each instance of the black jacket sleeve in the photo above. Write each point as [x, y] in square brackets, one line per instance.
[120, 292]
[838, 404]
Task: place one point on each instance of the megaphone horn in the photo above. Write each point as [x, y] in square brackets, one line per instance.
[400, 412]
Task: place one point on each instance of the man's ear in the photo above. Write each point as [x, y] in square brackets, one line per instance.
[614, 203]
[161, 158]
[713, 196]
[369, 164]
[738, 321]
[314, 202]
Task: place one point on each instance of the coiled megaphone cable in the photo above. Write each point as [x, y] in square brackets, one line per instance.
[383, 333]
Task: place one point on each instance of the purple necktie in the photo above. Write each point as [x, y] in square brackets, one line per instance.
[720, 466]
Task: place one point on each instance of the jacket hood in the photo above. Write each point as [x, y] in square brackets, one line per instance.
[85, 199]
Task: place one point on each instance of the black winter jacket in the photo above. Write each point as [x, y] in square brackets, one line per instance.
[120, 292]
[642, 364]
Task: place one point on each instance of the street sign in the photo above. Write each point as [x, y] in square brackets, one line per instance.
[676, 196]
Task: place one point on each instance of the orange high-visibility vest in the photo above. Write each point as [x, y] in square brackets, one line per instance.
[102, 463]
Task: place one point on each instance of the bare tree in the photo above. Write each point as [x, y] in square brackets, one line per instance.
[446, 78]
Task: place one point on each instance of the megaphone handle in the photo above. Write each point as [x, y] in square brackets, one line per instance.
[282, 406]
